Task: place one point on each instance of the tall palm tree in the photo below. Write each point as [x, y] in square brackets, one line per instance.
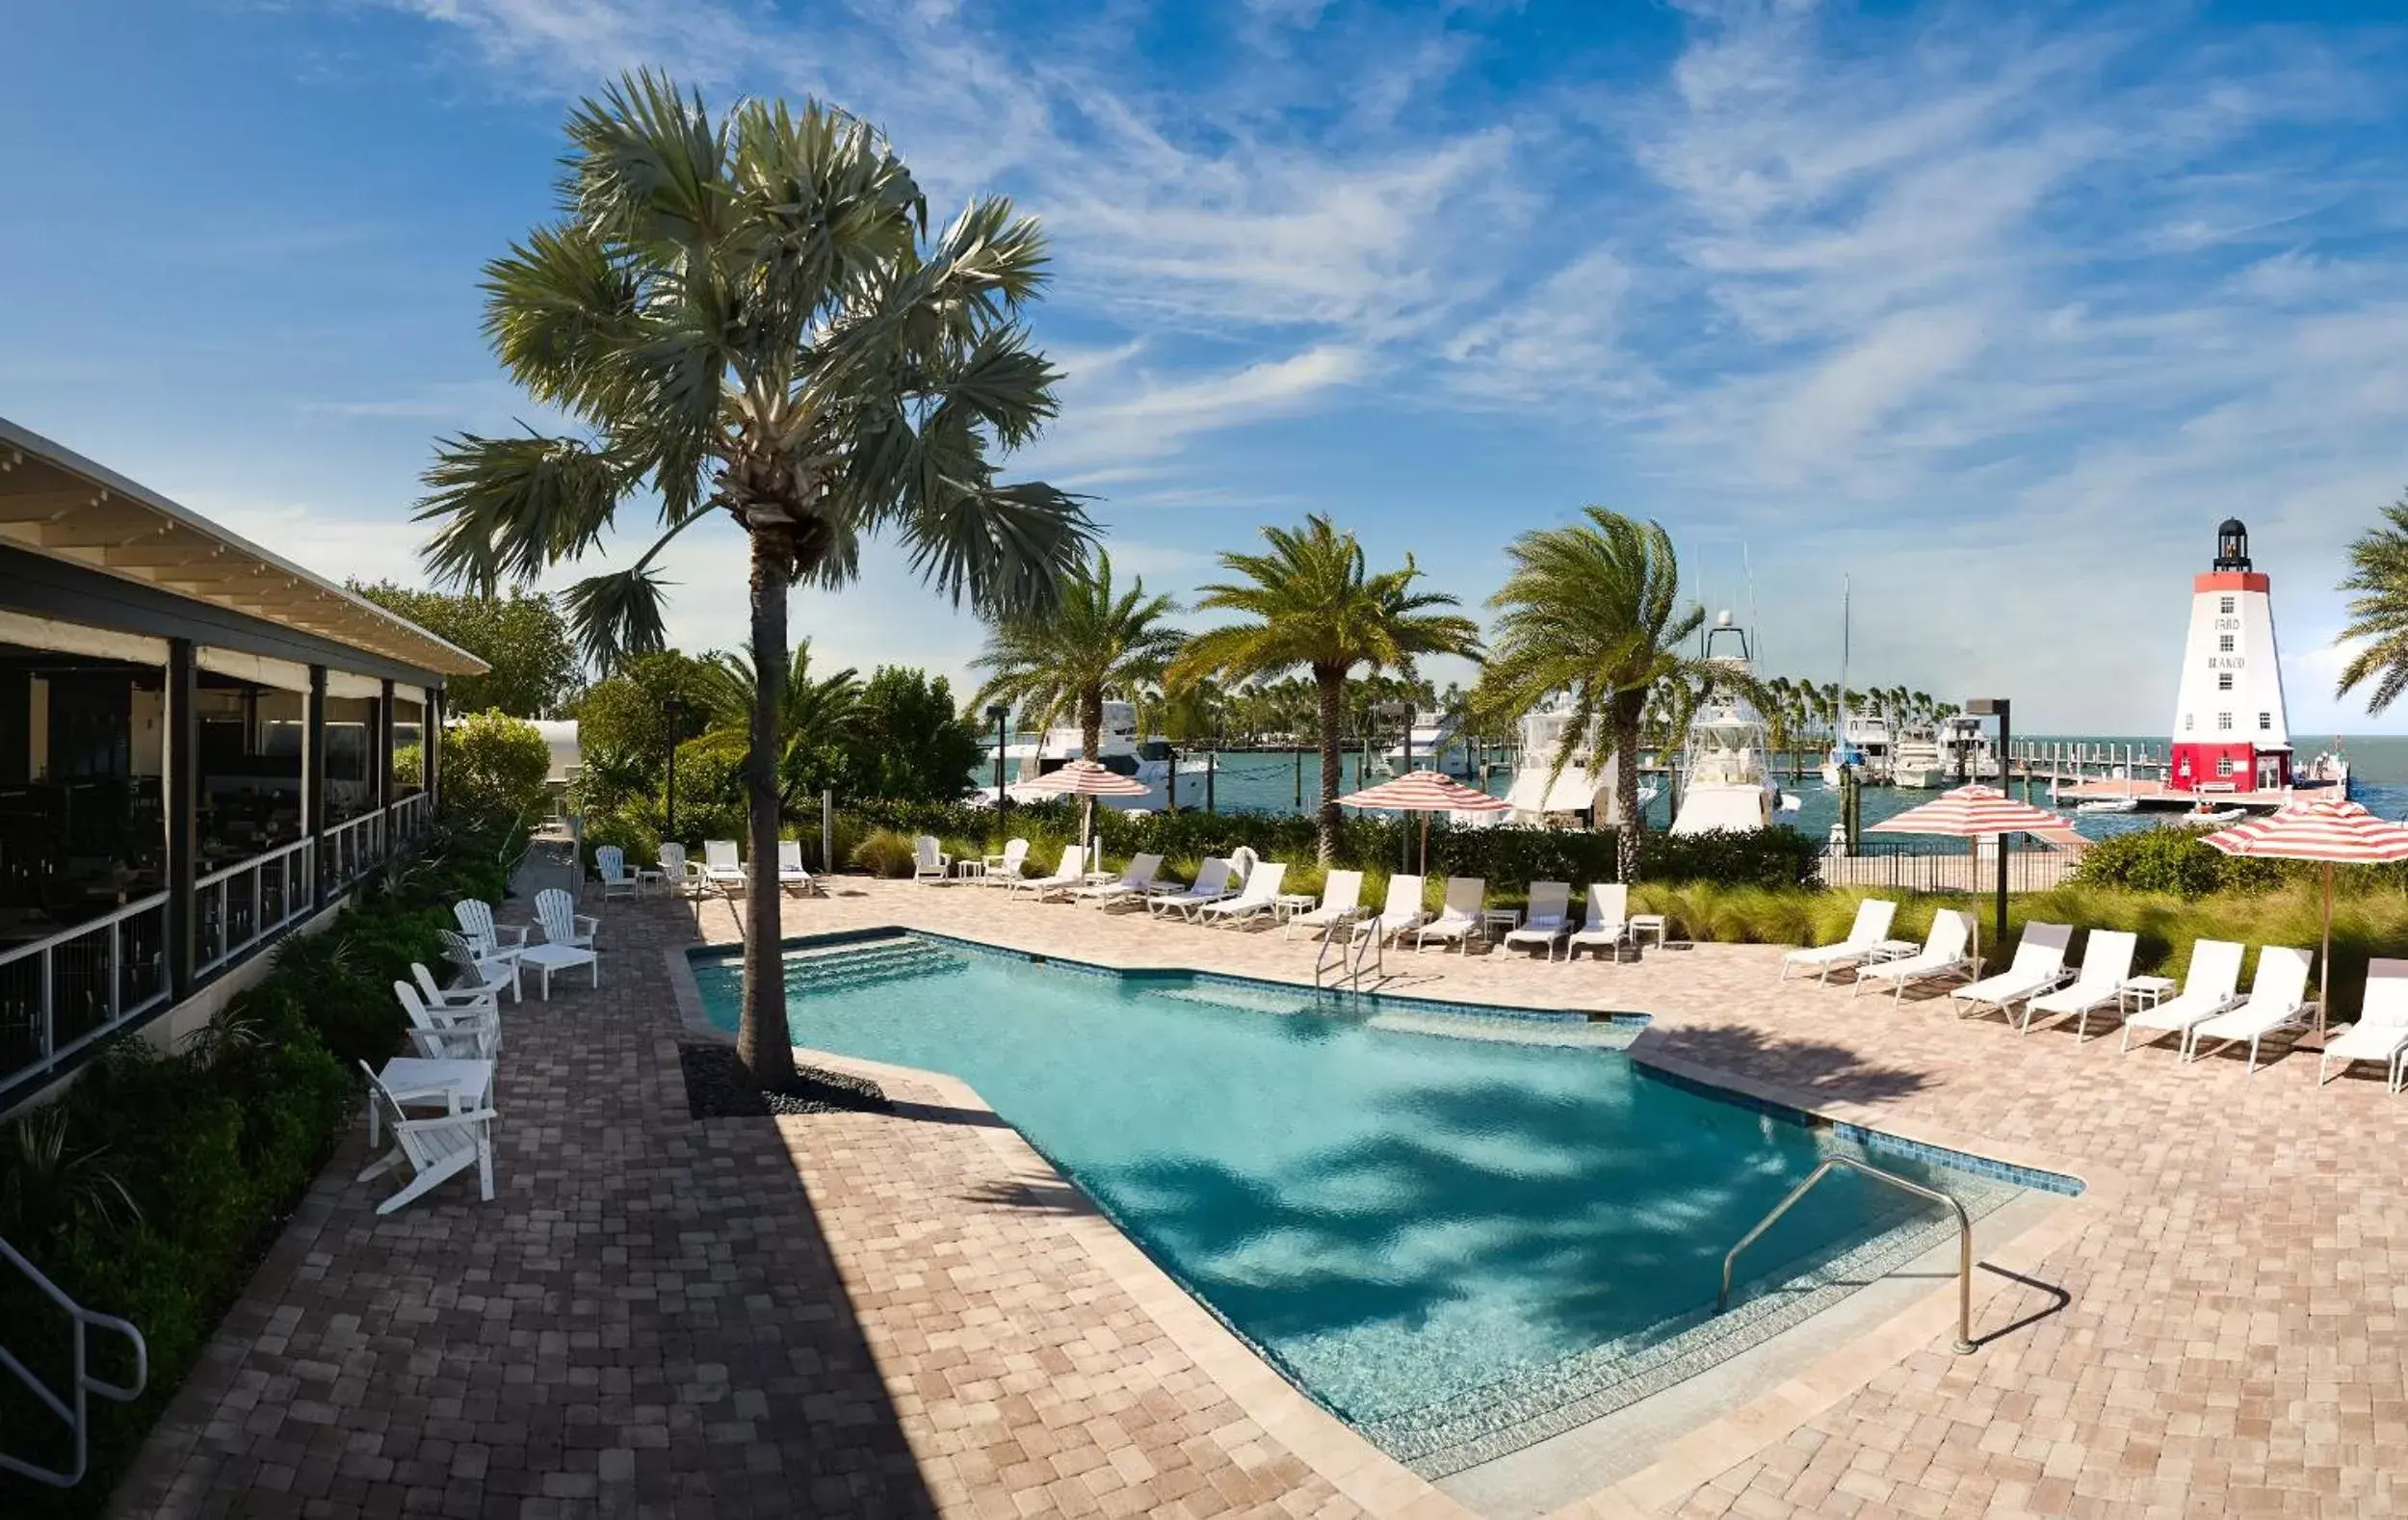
[746, 315]
[1311, 603]
[1091, 644]
[2379, 573]
[811, 713]
[1594, 611]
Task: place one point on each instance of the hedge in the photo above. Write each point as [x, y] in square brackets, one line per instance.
[212, 1147]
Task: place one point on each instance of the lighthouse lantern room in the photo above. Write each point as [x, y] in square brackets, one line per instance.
[2230, 732]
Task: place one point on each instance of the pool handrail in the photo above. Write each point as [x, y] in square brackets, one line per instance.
[1964, 1238]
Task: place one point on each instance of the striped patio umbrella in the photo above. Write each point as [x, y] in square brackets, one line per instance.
[1089, 779]
[1424, 792]
[2333, 831]
[1976, 813]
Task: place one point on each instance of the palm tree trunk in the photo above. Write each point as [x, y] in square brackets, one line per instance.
[1626, 708]
[1332, 682]
[763, 1043]
[1091, 723]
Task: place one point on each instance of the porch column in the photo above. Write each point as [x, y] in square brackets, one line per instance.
[314, 783]
[180, 803]
[384, 751]
[430, 751]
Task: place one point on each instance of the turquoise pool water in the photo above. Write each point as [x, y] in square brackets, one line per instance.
[1457, 1243]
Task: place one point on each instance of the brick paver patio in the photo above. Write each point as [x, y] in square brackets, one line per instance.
[909, 1314]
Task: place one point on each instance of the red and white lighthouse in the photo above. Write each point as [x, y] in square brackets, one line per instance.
[2230, 732]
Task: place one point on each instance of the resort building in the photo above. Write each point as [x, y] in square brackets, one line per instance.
[2229, 731]
[202, 746]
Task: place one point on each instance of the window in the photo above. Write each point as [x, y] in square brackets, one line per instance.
[2266, 722]
[2224, 644]
[2224, 723]
[2223, 680]
[2224, 767]
[2226, 606]
[2186, 723]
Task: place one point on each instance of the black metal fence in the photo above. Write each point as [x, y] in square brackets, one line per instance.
[1904, 866]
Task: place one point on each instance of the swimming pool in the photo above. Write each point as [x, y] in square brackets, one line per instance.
[1459, 1232]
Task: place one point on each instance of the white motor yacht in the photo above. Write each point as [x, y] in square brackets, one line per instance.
[1538, 794]
[1436, 746]
[1119, 748]
[1726, 781]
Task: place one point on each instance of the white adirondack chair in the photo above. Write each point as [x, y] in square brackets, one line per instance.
[929, 860]
[464, 998]
[448, 1034]
[557, 915]
[609, 868]
[434, 1148]
[683, 876]
[476, 969]
[475, 920]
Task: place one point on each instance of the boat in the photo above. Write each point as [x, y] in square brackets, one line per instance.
[2204, 814]
[1436, 745]
[1842, 757]
[1538, 794]
[2328, 770]
[1866, 738]
[1727, 782]
[1952, 752]
[2109, 804]
[1119, 750]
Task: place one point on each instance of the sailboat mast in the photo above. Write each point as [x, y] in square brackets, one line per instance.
[1845, 596]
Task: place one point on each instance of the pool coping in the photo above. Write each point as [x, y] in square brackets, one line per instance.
[1349, 1461]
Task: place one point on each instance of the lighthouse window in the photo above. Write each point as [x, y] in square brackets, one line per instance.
[2224, 720]
[2186, 723]
[2223, 680]
[2266, 722]
[2224, 767]
[2224, 644]
[2225, 606]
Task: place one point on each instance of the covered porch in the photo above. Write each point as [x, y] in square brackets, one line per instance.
[202, 746]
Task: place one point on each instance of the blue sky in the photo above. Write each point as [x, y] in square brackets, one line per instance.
[1997, 309]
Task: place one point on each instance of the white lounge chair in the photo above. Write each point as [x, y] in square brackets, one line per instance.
[2212, 986]
[492, 941]
[1608, 926]
[433, 1148]
[1134, 882]
[609, 868]
[2278, 1000]
[2038, 966]
[1549, 919]
[1261, 889]
[483, 972]
[1864, 941]
[791, 873]
[1402, 912]
[556, 916]
[1342, 896]
[448, 1034]
[929, 860]
[1211, 884]
[1944, 955]
[1067, 878]
[2381, 1033]
[1005, 868]
[1460, 918]
[722, 870]
[2107, 960]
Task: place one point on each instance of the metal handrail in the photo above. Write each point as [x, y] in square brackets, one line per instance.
[1964, 1238]
[74, 1416]
[1374, 945]
[1353, 921]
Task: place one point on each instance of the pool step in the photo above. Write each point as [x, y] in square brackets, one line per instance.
[889, 960]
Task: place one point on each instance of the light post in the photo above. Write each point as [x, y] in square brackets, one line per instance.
[1405, 711]
[1997, 707]
[674, 711]
[997, 713]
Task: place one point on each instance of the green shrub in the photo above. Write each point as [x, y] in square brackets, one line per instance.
[495, 765]
[886, 853]
[641, 844]
[2175, 860]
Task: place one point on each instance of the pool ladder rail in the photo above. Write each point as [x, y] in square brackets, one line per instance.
[1964, 1238]
[76, 1416]
[1360, 927]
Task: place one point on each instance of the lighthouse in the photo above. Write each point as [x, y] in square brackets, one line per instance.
[2230, 733]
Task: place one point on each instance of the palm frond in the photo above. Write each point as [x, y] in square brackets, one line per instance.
[511, 507]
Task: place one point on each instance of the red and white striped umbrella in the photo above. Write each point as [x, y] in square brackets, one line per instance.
[2330, 829]
[1085, 779]
[1425, 792]
[1970, 812]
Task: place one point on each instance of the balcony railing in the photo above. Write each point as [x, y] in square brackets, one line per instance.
[352, 847]
[410, 814]
[59, 994]
[248, 902]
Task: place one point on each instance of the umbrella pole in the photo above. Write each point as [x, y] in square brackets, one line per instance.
[1425, 844]
[2324, 967]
